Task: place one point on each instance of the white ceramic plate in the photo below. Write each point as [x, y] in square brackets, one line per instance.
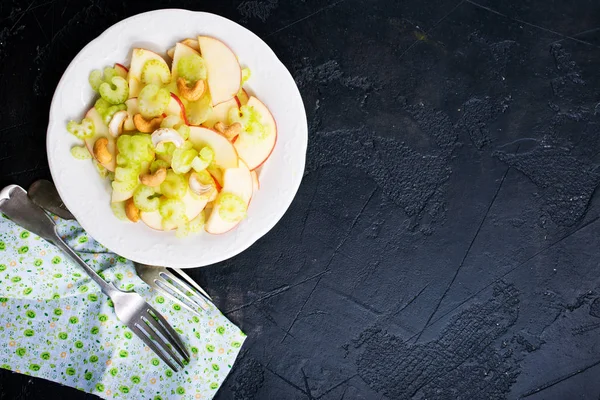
[88, 197]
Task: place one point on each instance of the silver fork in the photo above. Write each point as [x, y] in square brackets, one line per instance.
[130, 307]
[168, 281]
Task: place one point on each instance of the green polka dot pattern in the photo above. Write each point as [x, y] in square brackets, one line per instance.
[57, 325]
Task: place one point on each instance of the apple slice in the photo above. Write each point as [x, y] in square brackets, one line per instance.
[116, 197]
[176, 107]
[243, 97]
[138, 60]
[217, 174]
[181, 50]
[193, 43]
[122, 70]
[255, 182]
[101, 130]
[220, 112]
[135, 86]
[132, 109]
[224, 74]
[193, 207]
[255, 152]
[238, 181]
[225, 154]
[139, 57]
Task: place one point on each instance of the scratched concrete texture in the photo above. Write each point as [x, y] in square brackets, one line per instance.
[444, 241]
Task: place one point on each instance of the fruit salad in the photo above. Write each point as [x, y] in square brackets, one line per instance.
[179, 137]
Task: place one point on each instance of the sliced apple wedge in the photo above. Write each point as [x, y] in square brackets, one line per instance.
[101, 130]
[225, 154]
[255, 182]
[176, 107]
[135, 86]
[193, 43]
[217, 174]
[224, 74]
[243, 97]
[237, 181]
[117, 197]
[132, 109]
[181, 50]
[193, 207]
[220, 112]
[122, 70]
[139, 57]
[255, 152]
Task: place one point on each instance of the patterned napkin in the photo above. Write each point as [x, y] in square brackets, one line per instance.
[56, 324]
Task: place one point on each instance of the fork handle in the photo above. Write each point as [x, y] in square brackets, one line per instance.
[15, 203]
[106, 288]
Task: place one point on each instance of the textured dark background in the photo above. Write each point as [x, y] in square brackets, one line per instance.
[444, 242]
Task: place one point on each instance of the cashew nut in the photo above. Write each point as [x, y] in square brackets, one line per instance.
[231, 131]
[190, 93]
[101, 153]
[220, 127]
[115, 127]
[146, 126]
[164, 135]
[132, 212]
[198, 187]
[154, 179]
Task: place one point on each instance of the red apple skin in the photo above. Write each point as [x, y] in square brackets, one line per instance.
[122, 66]
[178, 100]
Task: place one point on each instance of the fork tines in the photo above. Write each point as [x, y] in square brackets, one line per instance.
[180, 292]
[156, 332]
[177, 286]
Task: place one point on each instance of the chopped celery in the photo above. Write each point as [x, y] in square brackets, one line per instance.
[145, 198]
[175, 186]
[135, 149]
[153, 101]
[184, 131]
[231, 207]
[246, 75]
[82, 130]
[124, 187]
[80, 153]
[204, 159]
[173, 212]
[165, 151]
[95, 79]
[115, 92]
[183, 158]
[191, 68]
[156, 72]
[157, 164]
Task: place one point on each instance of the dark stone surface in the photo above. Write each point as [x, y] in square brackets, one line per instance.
[444, 242]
